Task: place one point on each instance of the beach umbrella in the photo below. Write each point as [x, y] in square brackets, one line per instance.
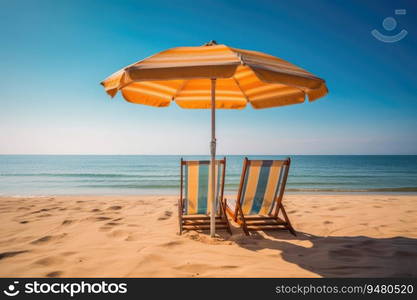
[213, 77]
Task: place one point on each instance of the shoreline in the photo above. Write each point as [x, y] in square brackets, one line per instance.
[136, 236]
[151, 194]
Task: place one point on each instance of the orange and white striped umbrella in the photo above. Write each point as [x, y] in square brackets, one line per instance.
[214, 76]
[242, 76]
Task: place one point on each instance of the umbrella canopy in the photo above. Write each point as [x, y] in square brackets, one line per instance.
[214, 76]
[180, 75]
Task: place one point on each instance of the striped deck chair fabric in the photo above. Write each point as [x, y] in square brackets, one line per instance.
[262, 183]
[194, 205]
[259, 199]
[197, 186]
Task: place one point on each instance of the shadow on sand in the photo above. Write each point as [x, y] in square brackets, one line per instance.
[347, 256]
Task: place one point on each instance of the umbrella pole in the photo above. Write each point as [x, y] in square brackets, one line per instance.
[213, 158]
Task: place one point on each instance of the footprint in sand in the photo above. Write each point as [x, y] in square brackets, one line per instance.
[113, 223]
[11, 253]
[172, 244]
[95, 210]
[49, 261]
[102, 218]
[24, 222]
[67, 222]
[48, 238]
[327, 222]
[228, 267]
[53, 207]
[39, 211]
[167, 214]
[68, 253]
[115, 207]
[54, 274]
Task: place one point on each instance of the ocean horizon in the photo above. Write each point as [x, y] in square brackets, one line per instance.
[38, 175]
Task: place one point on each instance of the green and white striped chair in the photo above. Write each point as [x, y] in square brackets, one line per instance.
[259, 198]
[193, 205]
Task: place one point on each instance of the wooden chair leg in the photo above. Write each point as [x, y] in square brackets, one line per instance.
[180, 215]
[287, 220]
[223, 209]
[245, 228]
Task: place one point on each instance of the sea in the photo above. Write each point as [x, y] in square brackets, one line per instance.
[43, 175]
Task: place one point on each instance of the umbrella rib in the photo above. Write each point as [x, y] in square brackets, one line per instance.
[240, 88]
[181, 87]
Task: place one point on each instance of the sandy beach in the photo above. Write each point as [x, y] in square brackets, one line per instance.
[136, 236]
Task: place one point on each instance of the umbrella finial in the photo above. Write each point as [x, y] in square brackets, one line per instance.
[211, 43]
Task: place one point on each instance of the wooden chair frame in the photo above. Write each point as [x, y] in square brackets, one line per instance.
[258, 223]
[202, 222]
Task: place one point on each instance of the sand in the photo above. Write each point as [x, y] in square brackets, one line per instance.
[136, 236]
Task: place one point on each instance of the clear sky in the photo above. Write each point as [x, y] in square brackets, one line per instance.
[55, 53]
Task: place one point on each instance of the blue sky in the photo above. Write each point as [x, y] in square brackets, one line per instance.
[55, 53]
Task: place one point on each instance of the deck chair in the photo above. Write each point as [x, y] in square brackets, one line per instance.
[193, 205]
[259, 198]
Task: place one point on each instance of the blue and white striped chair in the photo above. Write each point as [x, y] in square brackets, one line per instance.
[193, 206]
[259, 198]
